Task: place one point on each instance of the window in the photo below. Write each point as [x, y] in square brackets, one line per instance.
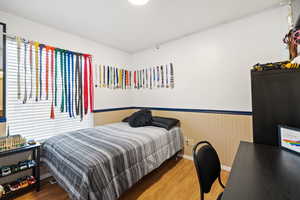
[32, 120]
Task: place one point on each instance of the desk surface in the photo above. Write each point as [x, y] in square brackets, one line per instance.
[262, 172]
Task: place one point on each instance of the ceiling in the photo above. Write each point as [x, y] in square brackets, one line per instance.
[121, 25]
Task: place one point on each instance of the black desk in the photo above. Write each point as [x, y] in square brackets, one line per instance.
[262, 172]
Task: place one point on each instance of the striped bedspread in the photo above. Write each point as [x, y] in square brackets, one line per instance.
[101, 163]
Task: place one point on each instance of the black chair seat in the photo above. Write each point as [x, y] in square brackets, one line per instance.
[220, 196]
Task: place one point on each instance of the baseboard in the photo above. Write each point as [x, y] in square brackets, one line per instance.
[44, 176]
[224, 167]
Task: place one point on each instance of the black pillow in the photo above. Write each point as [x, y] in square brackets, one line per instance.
[140, 118]
[164, 122]
[126, 119]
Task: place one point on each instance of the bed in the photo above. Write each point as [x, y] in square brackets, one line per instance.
[101, 163]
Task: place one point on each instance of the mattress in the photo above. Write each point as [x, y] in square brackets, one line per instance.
[101, 163]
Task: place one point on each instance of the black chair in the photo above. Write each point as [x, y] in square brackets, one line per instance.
[208, 167]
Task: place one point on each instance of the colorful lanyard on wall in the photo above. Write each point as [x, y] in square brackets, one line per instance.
[72, 88]
[47, 71]
[52, 116]
[36, 48]
[91, 85]
[69, 85]
[77, 105]
[154, 77]
[18, 40]
[172, 76]
[55, 77]
[103, 77]
[150, 78]
[62, 81]
[157, 73]
[167, 77]
[31, 68]
[78, 86]
[162, 76]
[66, 80]
[25, 72]
[41, 70]
[85, 85]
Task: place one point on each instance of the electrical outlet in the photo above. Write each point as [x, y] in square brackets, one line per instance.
[191, 142]
[186, 140]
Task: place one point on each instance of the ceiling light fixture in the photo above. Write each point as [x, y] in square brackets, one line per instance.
[138, 2]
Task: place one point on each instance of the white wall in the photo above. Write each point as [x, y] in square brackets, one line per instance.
[212, 68]
[296, 9]
[104, 98]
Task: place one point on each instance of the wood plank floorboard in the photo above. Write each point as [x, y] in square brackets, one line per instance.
[174, 180]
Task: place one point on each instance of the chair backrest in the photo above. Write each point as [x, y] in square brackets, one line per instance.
[207, 165]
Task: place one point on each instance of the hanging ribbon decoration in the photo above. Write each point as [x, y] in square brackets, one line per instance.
[18, 41]
[56, 51]
[167, 77]
[41, 70]
[71, 71]
[48, 48]
[85, 85]
[47, 71]
[77, 92]
[69, 85]
[150, 71]
[52, 115]
[62, 105]
[25, 72]
[66, 80]
[31, 67]
[162, 76]
[172, 84]
[78, 86]
[36, 48]
[157, 73]
[91, 85]
[72, 90]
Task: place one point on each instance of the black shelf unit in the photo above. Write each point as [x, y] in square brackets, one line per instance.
[275, 101]
[35, 170]
[18, 171]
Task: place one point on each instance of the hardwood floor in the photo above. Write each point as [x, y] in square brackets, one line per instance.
[174, 180]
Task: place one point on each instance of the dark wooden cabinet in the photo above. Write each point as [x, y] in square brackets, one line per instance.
[275, 101]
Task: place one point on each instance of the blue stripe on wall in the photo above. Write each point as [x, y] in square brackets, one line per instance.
[2, 119]
[112, 109]
[228, 112]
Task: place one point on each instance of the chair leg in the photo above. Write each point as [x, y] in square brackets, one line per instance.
[220, 181]
[202, 196]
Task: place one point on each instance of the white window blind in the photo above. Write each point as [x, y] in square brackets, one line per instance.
[32, 120]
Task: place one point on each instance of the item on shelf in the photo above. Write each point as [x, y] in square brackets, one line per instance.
[1, 191]
[6, 189]
[23, 182]
[5, 171]
[23, 165]
[31, 180]
[31, 163]
[31, 142]
[14, 186]
[12, 142]
[273, 66]
[14, 168]
[296, 60]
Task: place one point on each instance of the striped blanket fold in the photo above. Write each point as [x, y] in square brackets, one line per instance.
[101, 163]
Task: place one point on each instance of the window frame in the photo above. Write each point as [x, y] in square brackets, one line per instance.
[3, 117]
